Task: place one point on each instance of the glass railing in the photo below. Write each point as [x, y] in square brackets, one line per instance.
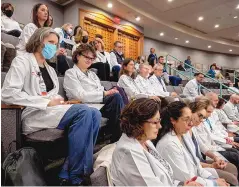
[189, 74]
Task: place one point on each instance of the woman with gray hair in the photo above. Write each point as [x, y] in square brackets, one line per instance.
[32, 83]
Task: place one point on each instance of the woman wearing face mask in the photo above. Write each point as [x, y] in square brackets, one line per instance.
[176, 121]
[8, 24]
[32, 83]
[80, 36]
[64, 32]
[40, 16]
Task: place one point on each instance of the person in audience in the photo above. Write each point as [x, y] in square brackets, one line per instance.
[158, 84]
[224, 169]
[104, 58]
[232, 126]
[40, 16]
[233, 89]
[140, 60]
[32, 83]
[152, 54]
[172, 146]
[192, 88]
[152, 61]
[80, 36]
[135, 161]
[50, 21]
[231, 109]
[8, 24]
[65, 32]
[205, 140]
[212, 73]
[219, 133]
[181, 67]
[126, 81]
[117, 55]
[175, 81]
[84, 85]
[188, 63]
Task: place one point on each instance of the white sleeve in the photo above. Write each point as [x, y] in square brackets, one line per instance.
[136, 171]
[75, 90]
[59, 31]
[18, 27]
[191, 89]
[13, 84]
[215, 136]
[27, 32]
[113, 59]
[230, 114]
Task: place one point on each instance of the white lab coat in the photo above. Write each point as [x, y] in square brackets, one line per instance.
[181, 161]
[113, 59]
[9, 24]
[21, 87]
[224, 119]
[191, 89]
[144, 85]
[158, 88]
[27, 32]
[79, 86]
[132, 165]
[231, 111]
[188, 140]
[105, 58]
[130, 88]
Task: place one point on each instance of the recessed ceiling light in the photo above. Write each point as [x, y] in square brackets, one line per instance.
[176, 38]
[216, 26]
[235, 17]
[200, 18]
[187, 41]
[161, 34]
[209, 46]
[237, 7]
[230, 50]
[137, 18]
[170, 0]
[110, 5]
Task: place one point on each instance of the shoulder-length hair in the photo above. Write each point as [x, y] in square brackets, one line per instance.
[35, 17]
[36, 40]
[124, 64]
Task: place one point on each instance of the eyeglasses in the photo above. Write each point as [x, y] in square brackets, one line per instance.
[154, 122]
[187, 120]
[89, 58]
[201, 117]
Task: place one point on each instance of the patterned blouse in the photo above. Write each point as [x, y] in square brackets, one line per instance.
[162, 161]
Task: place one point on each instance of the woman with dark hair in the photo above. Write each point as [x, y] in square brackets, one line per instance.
[32, 83]
[126, 81]
[84, 85]
[232, 126]
[135, 160]
[8, 24]
[40, 16]
[80, 36]
[50, 21]
[223, 169]
[171, 144]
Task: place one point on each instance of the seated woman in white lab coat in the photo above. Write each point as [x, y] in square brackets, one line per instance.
[32, 83]
[8, 24]
[126, 81]
[40, 16]
[84, 85]
[176, 121]
[224, 169]
[135, 161]
[232, 126]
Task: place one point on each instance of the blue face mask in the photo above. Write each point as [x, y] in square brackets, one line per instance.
[49, 51]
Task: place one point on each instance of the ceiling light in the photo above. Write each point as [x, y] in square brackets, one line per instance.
[187, 41]
[137, 18]
[216, 26]
[176, 38]
[170, 0]
[110, 5]
[235, 17]
[209, 46]
[161, 34]
[230, 50]
[200, 18]
[237, 7]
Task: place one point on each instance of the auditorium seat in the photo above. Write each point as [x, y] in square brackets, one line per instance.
[170, 88]
[6, 38]
[178, 90]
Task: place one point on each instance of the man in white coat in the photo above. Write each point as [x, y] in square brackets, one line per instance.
[192, 88]
[231, 109]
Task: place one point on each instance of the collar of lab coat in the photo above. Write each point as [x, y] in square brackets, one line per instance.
[134, 144]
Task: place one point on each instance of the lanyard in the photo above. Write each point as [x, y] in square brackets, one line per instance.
[209, 123]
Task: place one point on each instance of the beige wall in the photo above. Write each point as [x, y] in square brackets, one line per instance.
[197, 56]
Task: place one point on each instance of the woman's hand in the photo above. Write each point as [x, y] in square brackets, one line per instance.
[222, 182]
[58, 100]
[111, 92]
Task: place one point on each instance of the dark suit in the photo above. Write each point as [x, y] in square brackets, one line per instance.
[152, 56]
[181, 68]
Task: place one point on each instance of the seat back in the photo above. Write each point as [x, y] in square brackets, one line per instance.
[6, 38]
[170, 88]
[106, 84]
[61, 91]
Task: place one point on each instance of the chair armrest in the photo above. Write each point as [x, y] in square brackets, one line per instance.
[5, 106]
